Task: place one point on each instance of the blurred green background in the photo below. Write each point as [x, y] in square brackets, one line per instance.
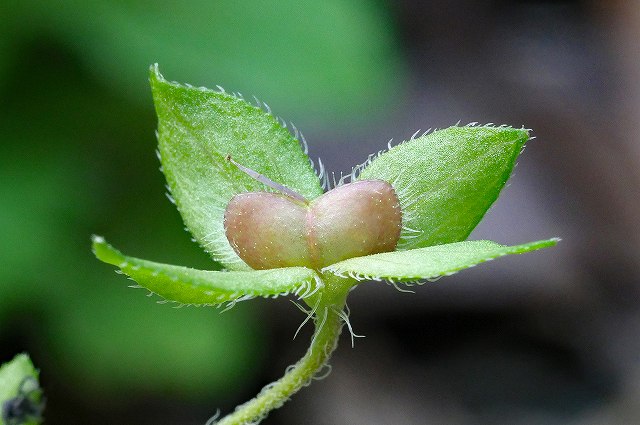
[548, 338]
[77, 157]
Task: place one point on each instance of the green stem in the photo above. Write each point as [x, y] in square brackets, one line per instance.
[325, 340]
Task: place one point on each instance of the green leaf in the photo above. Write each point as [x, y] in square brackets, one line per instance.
[197, 129]
[430, 262]
[201, 287]
[19, 388]
[447, 180]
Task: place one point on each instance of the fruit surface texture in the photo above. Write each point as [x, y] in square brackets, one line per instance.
[271, 230]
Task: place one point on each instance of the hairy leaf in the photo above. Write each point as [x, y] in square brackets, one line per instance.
[430, 262]
[446, 180]
[197, 129]
[202, 287]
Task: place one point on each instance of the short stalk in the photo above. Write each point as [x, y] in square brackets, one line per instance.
[328, 325]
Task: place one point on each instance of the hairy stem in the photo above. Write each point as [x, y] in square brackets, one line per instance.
[325, 339]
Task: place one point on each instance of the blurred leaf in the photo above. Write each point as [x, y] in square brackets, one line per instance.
[34, 222]
[197, 130]
[331, 57]
[447, 180]
[124, 341]
[21, 400]
[430, 262]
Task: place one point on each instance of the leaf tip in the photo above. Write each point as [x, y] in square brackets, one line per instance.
[154, 73]
[20, 362]
[105, 252]
[545, 243]
[519, 135]
[524, 134]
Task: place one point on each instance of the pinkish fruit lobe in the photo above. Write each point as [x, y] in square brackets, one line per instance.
[269, 230]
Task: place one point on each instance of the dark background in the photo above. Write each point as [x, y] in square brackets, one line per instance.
[545, 338]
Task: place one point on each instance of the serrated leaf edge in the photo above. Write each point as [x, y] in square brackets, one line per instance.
[421, 280]
[307, 288]
[296, 133]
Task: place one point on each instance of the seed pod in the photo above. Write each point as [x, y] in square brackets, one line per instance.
[270, 230]
[353, 220]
